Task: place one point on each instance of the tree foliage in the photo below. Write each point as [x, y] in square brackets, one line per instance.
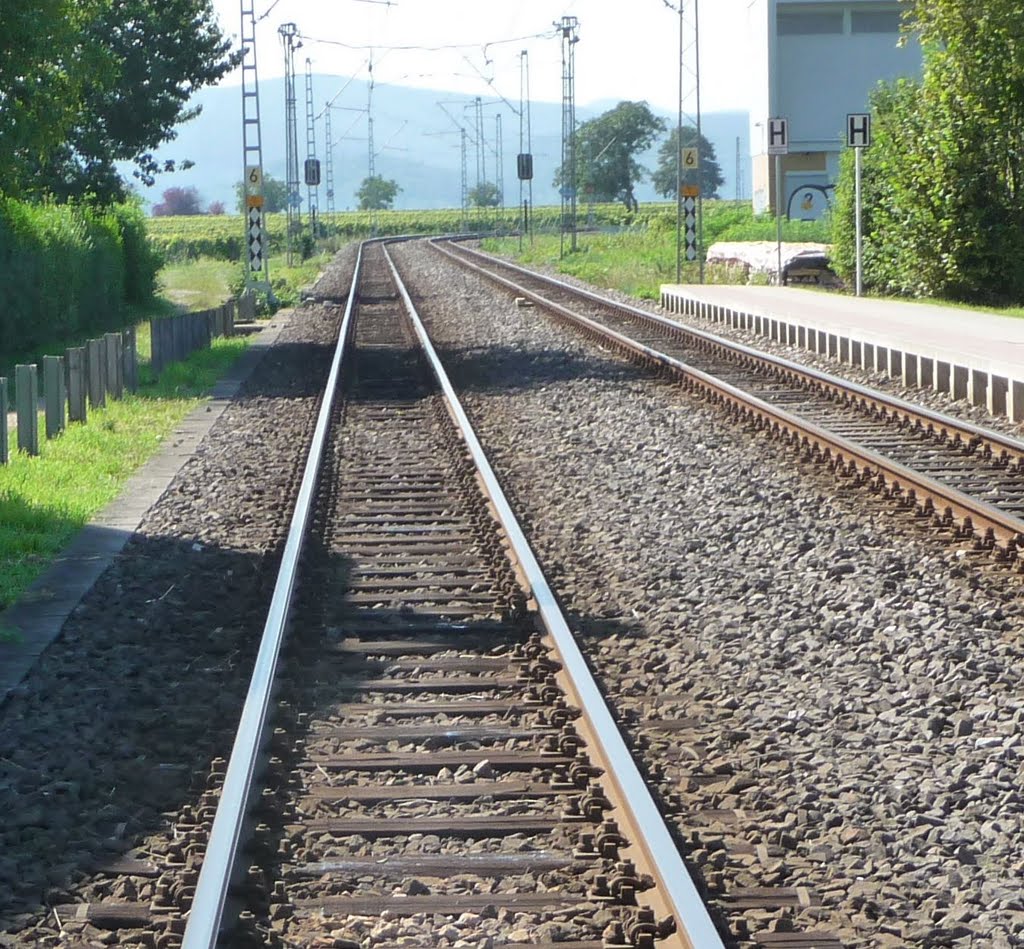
[377, 193]
[942, 185]
[484, 195]
[606, 150]
[275, 195]
[105, 81]
[710, 173]
[177, 202]
[43, 72]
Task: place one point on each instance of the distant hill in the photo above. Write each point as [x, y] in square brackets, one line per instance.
[416, 143]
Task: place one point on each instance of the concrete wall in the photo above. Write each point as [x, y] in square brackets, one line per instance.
[813, 63]
[822, 77]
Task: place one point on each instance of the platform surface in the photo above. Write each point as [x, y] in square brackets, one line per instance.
[960, 335]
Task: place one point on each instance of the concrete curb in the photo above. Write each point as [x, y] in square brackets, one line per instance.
[998, 387]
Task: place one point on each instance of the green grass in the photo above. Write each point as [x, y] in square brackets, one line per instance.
[46, 499]
[1014, 312]
[638, 259]
[197, 284]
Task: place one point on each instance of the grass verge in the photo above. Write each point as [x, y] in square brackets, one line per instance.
[45, 500]
[638, 259]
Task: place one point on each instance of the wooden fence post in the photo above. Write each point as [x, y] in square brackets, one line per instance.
[76, 375]
[26, 398]
[130, 359]
[95, 357]
[155, 347]
[54, 395]
[114, 379]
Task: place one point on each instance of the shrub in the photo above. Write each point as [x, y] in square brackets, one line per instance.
[68, 271]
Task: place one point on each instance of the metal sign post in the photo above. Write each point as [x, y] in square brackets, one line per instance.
[860, 230]
[690, 195]
[255, 225]
[778, 145]
[858, 137]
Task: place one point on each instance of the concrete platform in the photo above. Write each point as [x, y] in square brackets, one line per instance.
[37, 618]
[965, 353]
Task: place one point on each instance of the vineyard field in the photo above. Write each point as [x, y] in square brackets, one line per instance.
[222, 237]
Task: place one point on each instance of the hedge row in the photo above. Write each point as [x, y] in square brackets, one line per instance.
[68, 271]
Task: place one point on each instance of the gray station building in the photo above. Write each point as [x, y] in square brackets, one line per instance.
[815, 63]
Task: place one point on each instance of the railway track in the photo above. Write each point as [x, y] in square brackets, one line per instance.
[443, 770]
[968, 480]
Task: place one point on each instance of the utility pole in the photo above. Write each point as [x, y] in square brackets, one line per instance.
[481, 171]
[689, 107]
[371, 164]
[329, 159]
[288, 33]
[569, 27]
[499, 160]
[312, 166]
[739, 170]
[524, 160]
[257, 274]
[465, 182]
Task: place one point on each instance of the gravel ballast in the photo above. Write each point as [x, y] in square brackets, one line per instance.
[855, 684]
[112, 733]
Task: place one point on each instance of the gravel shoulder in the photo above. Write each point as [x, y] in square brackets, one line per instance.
[856, 684]
[110, 736]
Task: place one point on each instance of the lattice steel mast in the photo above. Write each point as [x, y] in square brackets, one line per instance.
[329, 159]
[481, 170]
[257, 275]
[465, 181]
[568, 27]
[288, 33]
[312, 169]
[499, 160]
[689, 111]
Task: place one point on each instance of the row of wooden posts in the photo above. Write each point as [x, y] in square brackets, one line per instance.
[105, 367]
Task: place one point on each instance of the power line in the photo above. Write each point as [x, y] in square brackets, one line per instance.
[483, 47]
[268, 11]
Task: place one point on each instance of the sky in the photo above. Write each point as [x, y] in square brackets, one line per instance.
[627, 50]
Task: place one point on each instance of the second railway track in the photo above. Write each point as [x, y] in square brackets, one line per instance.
[969, 480]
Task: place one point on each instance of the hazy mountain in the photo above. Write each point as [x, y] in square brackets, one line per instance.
[415, 142]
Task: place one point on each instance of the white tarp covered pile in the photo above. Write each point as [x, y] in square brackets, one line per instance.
[762, 257]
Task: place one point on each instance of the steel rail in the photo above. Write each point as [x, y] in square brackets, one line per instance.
[976, 517]
[211, 894]
[927, 418]
[647, 826]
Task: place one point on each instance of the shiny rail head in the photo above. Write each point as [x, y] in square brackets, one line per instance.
[204, 921]
[652, 837]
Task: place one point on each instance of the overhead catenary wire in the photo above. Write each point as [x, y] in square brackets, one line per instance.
[483, 47]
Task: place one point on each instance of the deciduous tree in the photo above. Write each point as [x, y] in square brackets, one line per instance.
[377, 193]
[943, 179]
[606, 150]
[710, 173]
[178, 201]
[158, 53]
[484, 195]
[275, 195]
[43, 70]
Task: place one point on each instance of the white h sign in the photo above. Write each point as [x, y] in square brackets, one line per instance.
[778, 137]
[858, 129]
